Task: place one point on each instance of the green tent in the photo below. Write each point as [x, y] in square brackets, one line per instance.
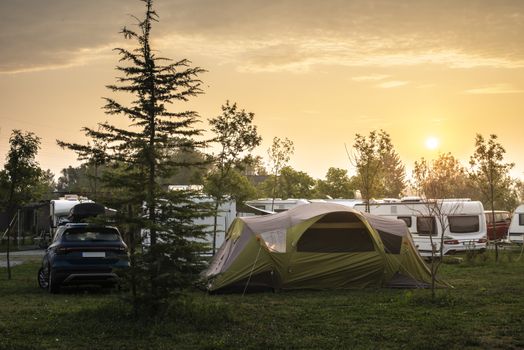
[316, 246]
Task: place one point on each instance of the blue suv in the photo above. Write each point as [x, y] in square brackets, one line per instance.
[82, 254]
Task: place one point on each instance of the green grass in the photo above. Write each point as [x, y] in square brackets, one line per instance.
[485, 310]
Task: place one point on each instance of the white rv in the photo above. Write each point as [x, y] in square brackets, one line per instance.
[225, 215]
[60, 209]
[516, 227]
[463, 223]
[277, 205]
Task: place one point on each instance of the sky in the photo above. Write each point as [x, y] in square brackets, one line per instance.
[316, 72]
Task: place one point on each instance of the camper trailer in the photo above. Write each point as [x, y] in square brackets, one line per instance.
[463, 223]
[516, 227]
[225, 215]
[276, 205]
[60, 209]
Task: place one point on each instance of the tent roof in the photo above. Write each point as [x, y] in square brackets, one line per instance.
[295, 215]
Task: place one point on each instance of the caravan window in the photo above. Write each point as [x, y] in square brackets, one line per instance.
[463, 224]
[406, 219]
[521, 219]
[426, 225]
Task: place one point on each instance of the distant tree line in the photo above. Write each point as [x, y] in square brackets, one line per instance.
[249, 178]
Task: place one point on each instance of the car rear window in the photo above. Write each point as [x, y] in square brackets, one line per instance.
[84, 234]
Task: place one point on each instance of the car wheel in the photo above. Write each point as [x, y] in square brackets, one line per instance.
[43, 278]
[54, 285]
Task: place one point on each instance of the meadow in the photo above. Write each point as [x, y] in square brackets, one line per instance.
[484, 310]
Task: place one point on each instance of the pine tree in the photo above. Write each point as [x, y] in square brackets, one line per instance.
[141, 155]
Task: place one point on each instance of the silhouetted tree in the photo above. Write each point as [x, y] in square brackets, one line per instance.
[336, 185]
[290, 184]
[393, 179]
[236, 135]
[22, 177]
[372, 154]
[279, 154]
[489, 172]
[142, 154]
[447, 177]
[430, 182]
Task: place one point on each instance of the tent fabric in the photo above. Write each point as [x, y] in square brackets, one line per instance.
[317, 246]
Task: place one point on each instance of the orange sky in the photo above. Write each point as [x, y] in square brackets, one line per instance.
[316, 72]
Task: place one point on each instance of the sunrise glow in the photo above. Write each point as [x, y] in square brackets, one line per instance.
[315, 72]
[432, 143]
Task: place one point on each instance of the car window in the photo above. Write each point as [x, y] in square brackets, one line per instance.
[85, 234]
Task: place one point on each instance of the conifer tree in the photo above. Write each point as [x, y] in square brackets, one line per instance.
[139, 156]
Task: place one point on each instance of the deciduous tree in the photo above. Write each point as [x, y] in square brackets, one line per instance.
[336, 185]
[22, 178]
[444, 176]
[279, 155]
[430, 182]
[490, 173]
[290, 184]
[236, 136]
[373, 156]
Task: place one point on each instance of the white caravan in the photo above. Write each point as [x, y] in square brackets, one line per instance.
[463, 223]
[225, 215]
[277, 205]
[516, 227]
[59, 209]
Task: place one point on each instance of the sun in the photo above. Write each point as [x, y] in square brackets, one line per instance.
[432, 143]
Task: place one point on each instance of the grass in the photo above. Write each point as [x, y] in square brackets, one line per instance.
[485, 310]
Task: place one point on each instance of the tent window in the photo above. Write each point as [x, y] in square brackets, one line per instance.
[339, 217]
[392, 242]
[275, 240]
[335, 240]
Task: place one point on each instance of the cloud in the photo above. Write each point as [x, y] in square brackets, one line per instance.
[374, 77]
[494, 89]
[392, 84]
[39, 35]
[271, 36]
[302, 54]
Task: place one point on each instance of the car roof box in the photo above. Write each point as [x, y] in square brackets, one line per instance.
[85, 210]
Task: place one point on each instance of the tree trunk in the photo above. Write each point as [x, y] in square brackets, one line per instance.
[132, 261]
[215, 224]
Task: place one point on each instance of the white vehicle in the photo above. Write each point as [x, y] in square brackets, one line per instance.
[225, 215]
[463, 223]
[59, 209]
[516, 227]
[277, 205]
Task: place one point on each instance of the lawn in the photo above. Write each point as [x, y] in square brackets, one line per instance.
[484, 310]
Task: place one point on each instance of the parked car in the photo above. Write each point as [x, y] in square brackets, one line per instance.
[82, 254]
[498, 226]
